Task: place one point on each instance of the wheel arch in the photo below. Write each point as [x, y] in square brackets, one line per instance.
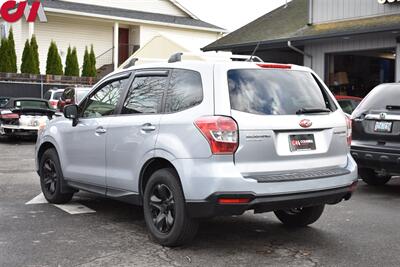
[152, 165]
[43, 147]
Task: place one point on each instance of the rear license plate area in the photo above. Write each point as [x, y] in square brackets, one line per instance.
[383, 127]
[302, 142]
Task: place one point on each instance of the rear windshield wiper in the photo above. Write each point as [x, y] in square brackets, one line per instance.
[392, 107]
[312, 110]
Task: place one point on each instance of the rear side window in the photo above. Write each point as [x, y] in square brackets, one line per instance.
[145, 95]
[379, 99]
[275, 92]
[185, 90]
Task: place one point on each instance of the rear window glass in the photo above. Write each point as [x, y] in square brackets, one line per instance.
[47, 95]
[275, 92]
[378, 99]
[80, 94]
[57, 95]
[31, 104]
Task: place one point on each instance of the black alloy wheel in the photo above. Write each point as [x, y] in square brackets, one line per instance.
[162, 205]
[51, 177]
[165, 211]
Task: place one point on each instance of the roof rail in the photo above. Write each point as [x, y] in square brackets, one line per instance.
[177, 57]
[246, 58]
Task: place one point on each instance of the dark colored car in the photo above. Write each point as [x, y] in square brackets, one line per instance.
[376, 135]
[24, 116]
[3, 101]
[72, 95]
[348, 103]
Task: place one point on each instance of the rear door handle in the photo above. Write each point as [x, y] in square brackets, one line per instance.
[148, 127]
[101, 130]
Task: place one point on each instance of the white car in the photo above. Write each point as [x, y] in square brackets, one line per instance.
[24, 116]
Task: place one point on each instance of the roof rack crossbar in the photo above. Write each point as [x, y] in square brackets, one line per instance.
[177, 57]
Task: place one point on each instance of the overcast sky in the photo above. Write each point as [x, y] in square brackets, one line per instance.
[230, 14]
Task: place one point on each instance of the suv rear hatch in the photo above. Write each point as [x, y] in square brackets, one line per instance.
[376, 122]
[287, 122]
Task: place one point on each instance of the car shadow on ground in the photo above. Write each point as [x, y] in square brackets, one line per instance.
[261, 234]
[391, 189]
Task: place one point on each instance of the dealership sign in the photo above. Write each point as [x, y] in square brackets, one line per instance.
[387, 1]
[11, 11]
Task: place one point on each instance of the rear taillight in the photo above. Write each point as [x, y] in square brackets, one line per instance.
[9, 116]
[220, 132]
[53, 103]
[349, 123]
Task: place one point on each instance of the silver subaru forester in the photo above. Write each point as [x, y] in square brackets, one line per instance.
[190, 140]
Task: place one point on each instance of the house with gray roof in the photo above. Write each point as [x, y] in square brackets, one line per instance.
[115, 28]
[352, 44]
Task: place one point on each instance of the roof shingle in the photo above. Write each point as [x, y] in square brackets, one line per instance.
[129, 14]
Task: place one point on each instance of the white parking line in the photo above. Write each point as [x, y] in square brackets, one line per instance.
[39, 199]
[75, 208]
[72, 208]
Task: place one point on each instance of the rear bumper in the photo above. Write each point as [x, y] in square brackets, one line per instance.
[378, 160]
[18, 130]
[262, 203]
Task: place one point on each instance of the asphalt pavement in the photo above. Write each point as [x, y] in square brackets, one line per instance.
[361, 232]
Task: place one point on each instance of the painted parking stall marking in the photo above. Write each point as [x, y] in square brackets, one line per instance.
[72, 208]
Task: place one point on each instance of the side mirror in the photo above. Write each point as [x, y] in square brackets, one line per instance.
[71, 112]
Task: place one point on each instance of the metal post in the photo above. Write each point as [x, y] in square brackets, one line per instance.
[398, 60]
[116, 44]
[41, 87]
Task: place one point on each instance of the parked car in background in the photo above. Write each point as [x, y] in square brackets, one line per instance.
[3, 101]
[24, 116]
[53, 96]
[191, 140]
[376, 135]
[348, 103]
[72, 95]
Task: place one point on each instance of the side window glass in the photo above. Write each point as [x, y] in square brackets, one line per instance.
[145, 95]
[104, 101]
[185, 90]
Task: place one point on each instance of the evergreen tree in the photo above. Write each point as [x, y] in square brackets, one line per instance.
[54, 65]
[5, 59]
[11, 52]
[35, 55]
[74, 63]
[27, 59]
[86, 64]
[68, 62]
[93, 70]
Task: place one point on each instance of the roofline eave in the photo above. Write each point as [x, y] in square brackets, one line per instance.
[275, 43]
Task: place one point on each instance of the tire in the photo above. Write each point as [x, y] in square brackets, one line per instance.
[163, 200]
[300, 217]
[51, 178]
[370, 177]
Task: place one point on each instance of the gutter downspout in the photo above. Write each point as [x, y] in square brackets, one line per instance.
[289, 44]
[310, 12]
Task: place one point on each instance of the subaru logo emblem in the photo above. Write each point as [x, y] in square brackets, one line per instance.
[305, 123]
[382, 116]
